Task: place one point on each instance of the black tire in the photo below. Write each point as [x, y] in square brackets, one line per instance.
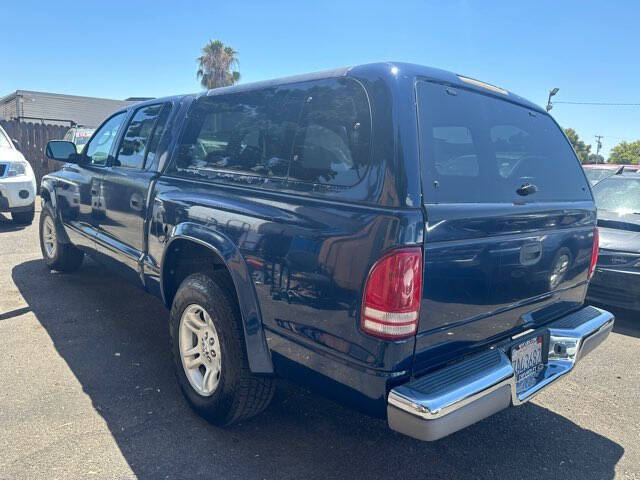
[25, 217]
[239, 394]
[66, 257]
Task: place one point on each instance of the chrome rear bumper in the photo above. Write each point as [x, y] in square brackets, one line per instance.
[452, 398]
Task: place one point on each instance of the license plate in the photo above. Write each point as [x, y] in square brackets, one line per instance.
[526, 359]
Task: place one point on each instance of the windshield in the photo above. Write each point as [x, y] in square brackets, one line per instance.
[478, 148]
[618, 194]
[596, 175]
[81, 140]
[83, 136]
[4, 140]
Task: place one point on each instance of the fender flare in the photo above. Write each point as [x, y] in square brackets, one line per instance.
[48, 185]
[258, 353]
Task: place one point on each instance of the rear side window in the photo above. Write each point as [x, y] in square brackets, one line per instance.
[477, 148]
[312, 132]
[243, 133]
[140, 130]
[332, 141]
[157, 134]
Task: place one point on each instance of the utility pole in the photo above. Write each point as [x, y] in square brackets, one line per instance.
[598, 146]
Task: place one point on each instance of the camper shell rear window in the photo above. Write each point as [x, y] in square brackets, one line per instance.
[480, 148]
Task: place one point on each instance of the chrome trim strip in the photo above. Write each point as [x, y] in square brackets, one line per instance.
[566, 348]
[522, 334]
[618, 271]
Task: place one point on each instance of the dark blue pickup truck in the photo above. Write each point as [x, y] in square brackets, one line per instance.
[410, 242]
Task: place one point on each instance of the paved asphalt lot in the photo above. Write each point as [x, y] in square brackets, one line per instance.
[87, 391]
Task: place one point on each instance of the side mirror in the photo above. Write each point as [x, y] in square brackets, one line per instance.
[63, 151]
[16, 144]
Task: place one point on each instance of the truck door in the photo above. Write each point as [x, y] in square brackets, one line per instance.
[125, 187]
[79, 192]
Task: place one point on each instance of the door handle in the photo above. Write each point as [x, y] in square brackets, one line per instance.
[530, 253]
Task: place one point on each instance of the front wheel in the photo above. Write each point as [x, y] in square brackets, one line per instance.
[59, 256]
[210, 360]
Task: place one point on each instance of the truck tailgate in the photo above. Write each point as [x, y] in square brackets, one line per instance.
[495, 270]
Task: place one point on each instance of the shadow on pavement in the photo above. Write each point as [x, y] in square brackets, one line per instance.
[627, 322]
[7, 224]
[92, 315]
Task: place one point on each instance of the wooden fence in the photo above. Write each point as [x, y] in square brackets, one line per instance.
[33, 140]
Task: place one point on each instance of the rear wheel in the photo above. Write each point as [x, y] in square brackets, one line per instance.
[58, 256]
[210, 360]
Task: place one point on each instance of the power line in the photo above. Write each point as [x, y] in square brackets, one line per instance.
[610, 137]
[598, 103]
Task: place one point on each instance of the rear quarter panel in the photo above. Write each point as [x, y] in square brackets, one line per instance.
[307, 262]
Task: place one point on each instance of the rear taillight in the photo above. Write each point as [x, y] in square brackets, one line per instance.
[594, 252]
[391, 300]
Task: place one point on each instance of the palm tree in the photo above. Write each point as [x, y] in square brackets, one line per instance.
[218, 65]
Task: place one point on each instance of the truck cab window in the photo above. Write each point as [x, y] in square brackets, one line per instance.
[98, 149]
[133, 148]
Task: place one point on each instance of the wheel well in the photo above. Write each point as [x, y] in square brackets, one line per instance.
[186, 257]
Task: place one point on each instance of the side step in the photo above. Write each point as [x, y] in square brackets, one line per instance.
[452, 398]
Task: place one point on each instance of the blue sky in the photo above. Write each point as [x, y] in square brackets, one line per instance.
[120, 49]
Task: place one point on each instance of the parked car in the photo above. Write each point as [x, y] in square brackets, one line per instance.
[410, 242]
[617, 278]
[596, 172]
[17, 182]
[79, 136]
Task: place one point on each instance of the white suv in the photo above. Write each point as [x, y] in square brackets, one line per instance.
[17, 182]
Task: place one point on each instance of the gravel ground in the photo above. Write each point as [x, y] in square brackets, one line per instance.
[87, 391]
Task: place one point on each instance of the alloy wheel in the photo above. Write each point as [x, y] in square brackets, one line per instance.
[200, 350]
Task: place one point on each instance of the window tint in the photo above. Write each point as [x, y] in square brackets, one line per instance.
[332, 142]
[97, 151]
[136, 138]
[455, 151]
[510, 144]
[158, 133]
[248, 132]
[477, 148]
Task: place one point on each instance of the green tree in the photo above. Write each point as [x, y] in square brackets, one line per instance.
[582, 149]
[218, 65]
[596, 159]
[626, 153]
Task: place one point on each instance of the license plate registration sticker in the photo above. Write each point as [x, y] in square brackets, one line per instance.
[526, 359]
